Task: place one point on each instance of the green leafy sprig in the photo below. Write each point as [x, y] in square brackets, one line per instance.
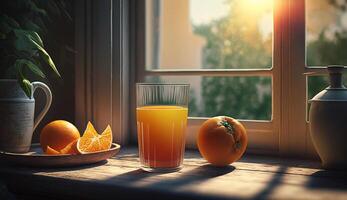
[22, 23]
[28, 52]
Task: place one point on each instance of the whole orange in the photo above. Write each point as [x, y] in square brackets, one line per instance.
[222, 140]
[58, 134]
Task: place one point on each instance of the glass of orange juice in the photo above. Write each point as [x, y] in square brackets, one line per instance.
[162, 112]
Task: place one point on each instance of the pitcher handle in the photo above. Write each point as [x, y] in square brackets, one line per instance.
[48, 93]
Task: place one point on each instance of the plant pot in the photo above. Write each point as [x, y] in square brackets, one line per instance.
[328, 121]
[17, 121]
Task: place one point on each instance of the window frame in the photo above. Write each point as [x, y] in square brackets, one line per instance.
[263, 135]
[287, 133]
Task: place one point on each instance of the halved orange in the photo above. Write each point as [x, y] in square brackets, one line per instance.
[91, 141]
[70, 148]
[51, 151]
[58, 134]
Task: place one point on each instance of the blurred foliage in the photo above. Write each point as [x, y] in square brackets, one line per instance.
[235, 42]
[329, 45]
[22, 50]
[242, 40]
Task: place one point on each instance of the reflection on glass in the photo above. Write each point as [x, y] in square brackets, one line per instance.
[161, 115]
[239, 97]
[195, 34]
[326, 26]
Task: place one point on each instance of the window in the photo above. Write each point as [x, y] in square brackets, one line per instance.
[326, 43]
[224, 50]
[189, 35]
[257, 49]
[257, 60]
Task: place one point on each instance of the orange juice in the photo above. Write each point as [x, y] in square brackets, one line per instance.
[161, 135]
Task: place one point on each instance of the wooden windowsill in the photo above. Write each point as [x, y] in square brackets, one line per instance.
[253, 177]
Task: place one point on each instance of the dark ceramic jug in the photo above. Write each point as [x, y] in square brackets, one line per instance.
[328, 121]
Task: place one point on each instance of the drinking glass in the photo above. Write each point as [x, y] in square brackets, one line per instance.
[162, 112]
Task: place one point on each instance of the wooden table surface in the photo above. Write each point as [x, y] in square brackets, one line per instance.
[253, 177]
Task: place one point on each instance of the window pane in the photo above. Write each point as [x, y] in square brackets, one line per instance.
[196, 34]
[238, 97]
[316, 84]
[326, 32]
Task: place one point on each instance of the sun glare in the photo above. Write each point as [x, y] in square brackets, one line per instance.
[260, 2]
[258, 5]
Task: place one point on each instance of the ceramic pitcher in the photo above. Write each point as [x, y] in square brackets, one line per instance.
[328, 121]
[17, 122]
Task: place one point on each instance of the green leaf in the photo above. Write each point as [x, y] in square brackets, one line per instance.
[25, 84]
[34, 36]
[24, 43]
[30, 41]
[24, 38]
[20, 63]
[29, 25]
[47, 59]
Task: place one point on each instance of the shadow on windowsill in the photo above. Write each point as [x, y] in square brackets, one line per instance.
[328, 179]
[196, 175]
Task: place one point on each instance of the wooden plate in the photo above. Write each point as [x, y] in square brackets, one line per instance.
[36, 158]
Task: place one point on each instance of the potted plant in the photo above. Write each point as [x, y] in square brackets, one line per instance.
[22, 56]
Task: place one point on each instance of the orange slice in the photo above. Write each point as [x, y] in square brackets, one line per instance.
[70, 148]
[91, 141]
[51, 151]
